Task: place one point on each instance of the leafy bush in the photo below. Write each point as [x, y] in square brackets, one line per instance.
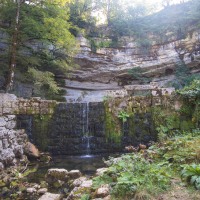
[85, 197]
[43, 82]
[191, 91]
[192, 175]
[145, 174]
[132, 173]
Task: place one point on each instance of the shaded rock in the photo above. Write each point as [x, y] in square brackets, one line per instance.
[100, 171]
[18, 151]
[57, 183]
[103, 191]
[50, 196]
[74, 194]
[42, 191]
[7, 157]
[73, 174]
[11, 124]
[79, 181]
[31, 151]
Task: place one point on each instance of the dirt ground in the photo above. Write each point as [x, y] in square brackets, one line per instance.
[180, 192]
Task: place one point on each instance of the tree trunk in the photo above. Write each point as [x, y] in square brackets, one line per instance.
[13, 51]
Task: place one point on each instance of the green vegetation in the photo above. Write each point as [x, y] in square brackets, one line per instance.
[123, 115]
[146, 174]
[183, 76]
[192, 175]
[40, 42]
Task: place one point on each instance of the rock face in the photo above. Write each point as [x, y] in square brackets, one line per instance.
[106, 70]
[11, 141]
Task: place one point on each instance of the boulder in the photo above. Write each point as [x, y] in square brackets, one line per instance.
[77, 182]
[56, 174]
[73, 174]
[103, 191]
[86, 184]
[31, 190]
[50, 196]
[100, 171]
[31, 151]
[42, 191]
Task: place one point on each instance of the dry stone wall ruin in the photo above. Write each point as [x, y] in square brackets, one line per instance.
[12, 140]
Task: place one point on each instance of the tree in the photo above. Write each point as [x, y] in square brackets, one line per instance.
[40, 32]
[9, 81]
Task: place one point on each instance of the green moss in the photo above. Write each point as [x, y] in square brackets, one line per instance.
[41, 130]
[132, 125]
[112, 127]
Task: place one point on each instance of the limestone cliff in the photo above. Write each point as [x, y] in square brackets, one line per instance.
[107, 68]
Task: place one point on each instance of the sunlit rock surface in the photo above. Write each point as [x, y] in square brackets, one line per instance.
[105, 72]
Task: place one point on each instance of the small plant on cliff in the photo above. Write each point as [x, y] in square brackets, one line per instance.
[123, 115]
[192, 91]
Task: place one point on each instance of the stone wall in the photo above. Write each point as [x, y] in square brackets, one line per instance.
[10, 104]
[12, 139]
[93, 128]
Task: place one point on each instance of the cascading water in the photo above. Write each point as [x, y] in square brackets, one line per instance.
[86, 132]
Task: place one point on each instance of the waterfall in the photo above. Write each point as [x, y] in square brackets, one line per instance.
[85, 119]
[86, 132]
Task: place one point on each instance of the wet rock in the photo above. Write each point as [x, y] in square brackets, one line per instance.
[31, 190]
[79, 181]
[50, 196]
[100, 171]
[31, 151]
[73, 174]
[56, 174]
[57, 183]
[103, 191]
[42, 191]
